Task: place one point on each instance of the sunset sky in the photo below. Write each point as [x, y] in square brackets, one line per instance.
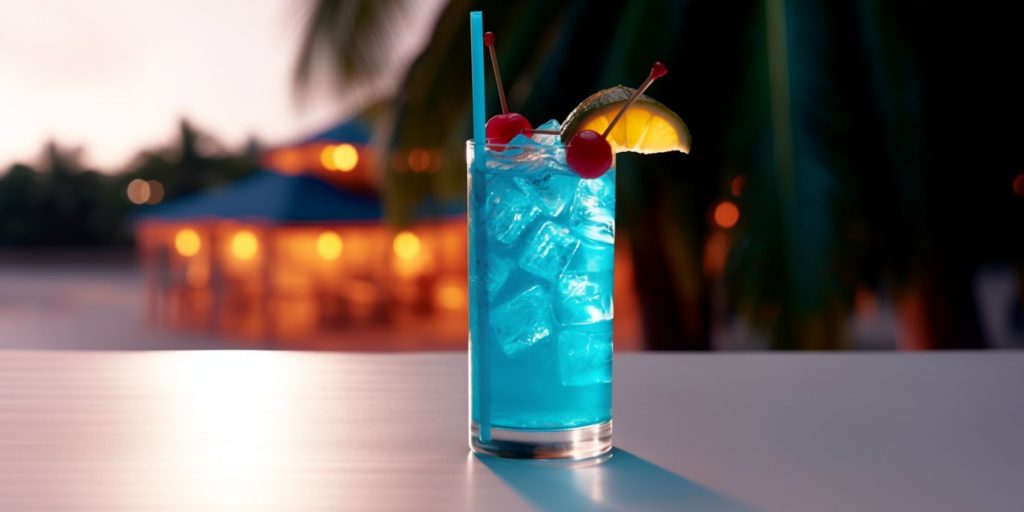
[115, 76]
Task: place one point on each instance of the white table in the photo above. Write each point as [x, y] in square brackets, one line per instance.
[305, 431]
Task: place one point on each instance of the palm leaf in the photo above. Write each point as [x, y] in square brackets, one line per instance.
[785, 267]
[357, 37]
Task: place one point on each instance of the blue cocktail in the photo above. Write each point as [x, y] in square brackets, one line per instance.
[541, 274]
[541, 263]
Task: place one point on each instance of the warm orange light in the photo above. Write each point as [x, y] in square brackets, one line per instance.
[244, 245]
[329, 245]
[327, 157]
[187, 242]
[419, 160]
[156, 192]
[138, 191]
[727, 214]
[451, 295]
[1018, 185]
[288, 160]
[345, 157]
[406, 245]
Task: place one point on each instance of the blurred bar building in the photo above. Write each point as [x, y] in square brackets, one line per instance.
[299, 254]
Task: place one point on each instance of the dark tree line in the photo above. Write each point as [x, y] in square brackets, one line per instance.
[59, 202]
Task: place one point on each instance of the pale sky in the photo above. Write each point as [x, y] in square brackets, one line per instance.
[115, 76]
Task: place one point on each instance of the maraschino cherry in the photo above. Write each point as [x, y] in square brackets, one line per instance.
[589, 153]
[503, 127]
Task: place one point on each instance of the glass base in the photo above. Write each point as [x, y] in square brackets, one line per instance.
[573, 444]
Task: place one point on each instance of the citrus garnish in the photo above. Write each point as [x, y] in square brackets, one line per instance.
[621, 119]
[647, 126]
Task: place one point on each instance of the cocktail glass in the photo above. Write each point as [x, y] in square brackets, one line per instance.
[541, 274]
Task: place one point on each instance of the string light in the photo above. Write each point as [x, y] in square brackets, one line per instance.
[329, 245]
[244, 244]
[187, 242]
[406, 245]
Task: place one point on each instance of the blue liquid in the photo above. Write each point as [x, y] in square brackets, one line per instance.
[541, 283]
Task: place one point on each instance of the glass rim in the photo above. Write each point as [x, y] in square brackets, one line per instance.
[506, 157]
[471, 144]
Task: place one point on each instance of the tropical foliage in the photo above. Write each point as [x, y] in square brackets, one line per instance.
[877, 142]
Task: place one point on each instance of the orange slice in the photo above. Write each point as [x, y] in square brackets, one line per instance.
[647, 127]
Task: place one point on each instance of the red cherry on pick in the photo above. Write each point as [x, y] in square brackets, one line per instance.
[658, 70]
[589, 154]
[502, 128]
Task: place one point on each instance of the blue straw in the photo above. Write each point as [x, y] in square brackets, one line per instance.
[481, 394]
[476, 36]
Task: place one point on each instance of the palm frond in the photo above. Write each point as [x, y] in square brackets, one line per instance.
[785, 267]
[357, 38]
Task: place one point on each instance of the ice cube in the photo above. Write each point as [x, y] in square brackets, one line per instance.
[524, 156]
[548, 139]
[509, 210]
[516, 156]
[498, 270]
[585, 298]
[551, 192]
[549, 251]
[593, 257]
[592, 213]
[522, 321]
[585, 357]
[521, 140]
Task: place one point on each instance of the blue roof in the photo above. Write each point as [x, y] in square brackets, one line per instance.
[281, 198]
[354, 131]
[271, 197]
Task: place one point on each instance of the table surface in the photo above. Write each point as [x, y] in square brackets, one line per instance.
[236, 430]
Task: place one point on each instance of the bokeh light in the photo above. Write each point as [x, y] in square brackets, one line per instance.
[419, 160]
[340, 157]
[727, 214]
[344, 157]
[329, 245]
[187, 242]
[406, 245]
[138, 191]
[156, 192]
[451, 294]
[1018, 185]
[327, 157]
[244, 244]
